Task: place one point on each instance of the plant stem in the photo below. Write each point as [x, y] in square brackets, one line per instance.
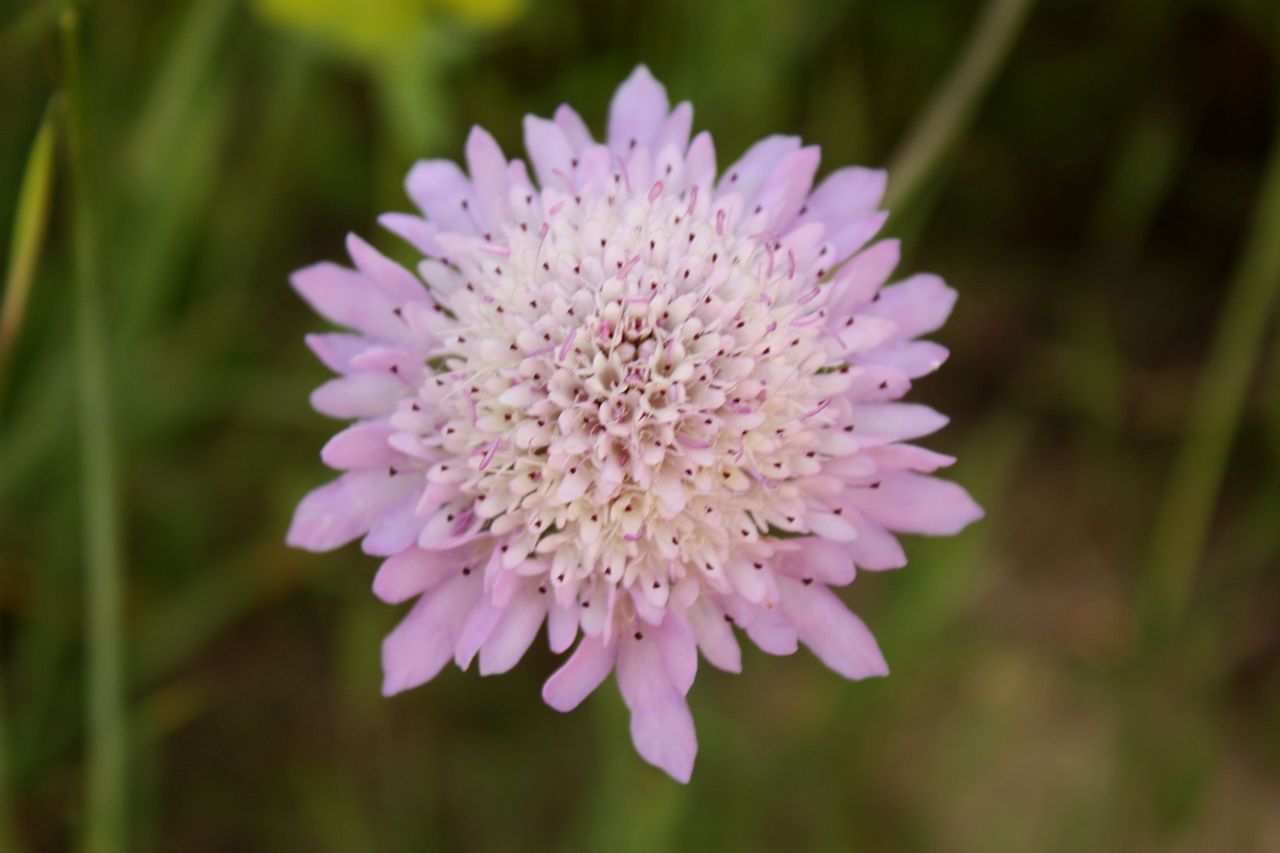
[1182, 521]
[105, 819]
[29, 226]
[953, 104]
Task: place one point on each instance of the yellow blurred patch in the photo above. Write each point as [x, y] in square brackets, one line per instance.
[376, 28]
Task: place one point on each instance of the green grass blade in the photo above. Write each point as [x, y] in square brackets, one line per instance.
[948, 114]
[107, 775]
[30, 224]
[1182, 521]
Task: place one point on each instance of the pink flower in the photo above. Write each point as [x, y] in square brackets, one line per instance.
[631, 401]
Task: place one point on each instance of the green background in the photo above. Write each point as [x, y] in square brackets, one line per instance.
[1059, 683]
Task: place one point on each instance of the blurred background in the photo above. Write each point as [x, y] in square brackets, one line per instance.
[1094, 666]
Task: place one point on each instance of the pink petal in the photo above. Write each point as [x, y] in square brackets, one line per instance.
[347, 298]
[784, 192]
[914, 503]
[514, 633]
[574, 128]
[475, 629]
[914, 359]
[675, 131]
[858, 281]
[679, 650]
[414, 571]
[360, 395]
[772, 633]
[395, 281]
[562, 627]
[909, 457]
[661, 725]
[917, 305]
[439, 188]
[855, 235]
[886, 422]
[336, 349]
[715, 636]
[419, 647]
[822, 560]
[343, 510]
[830, 630]
[746, 176]
[364, 445]
[581, 674]
[397, 528]
[488, 169]
[700, 162]
[844, 195]
[549, 150]
[876, 549]
[638, 111]
[414, 230]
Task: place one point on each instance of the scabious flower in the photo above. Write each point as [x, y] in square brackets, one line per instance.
[631, 400]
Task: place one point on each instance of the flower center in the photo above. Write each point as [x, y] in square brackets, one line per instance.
[632, 389]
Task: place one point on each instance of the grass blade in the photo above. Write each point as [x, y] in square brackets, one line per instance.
[1182, 521]
[952, 106]
[30, 224]
[107, 776]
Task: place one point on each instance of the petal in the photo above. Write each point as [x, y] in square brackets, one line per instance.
[700, 162]
[562, 627]
[345, 509]
[715, 636]
[549, 150]
[514, 633]
[886, 422]
[364, 445]
[347, 298]
[876, 549]
[675, 131]
[830, 630]
[915, 503]
[844, 195]
[397, 528]
[746, 176]
[414, 230]
[476, 628]
[909, 457]
[336, 349]
[360, 395]
[395, 281]
[574, 128]
[857, 282]
[917, 305]
[414, 571]
[821, 560]
[914, 359]
[638, 111]
[488, 168]
[679, 650]
[443, 193]
[661, 725]
[581, 674]
[418, 648]
[784, 192]
[772, 633]
[855, 235]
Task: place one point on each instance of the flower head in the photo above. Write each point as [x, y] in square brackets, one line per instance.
[633, 400]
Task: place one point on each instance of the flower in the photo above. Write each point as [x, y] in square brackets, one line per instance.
[631, 401]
